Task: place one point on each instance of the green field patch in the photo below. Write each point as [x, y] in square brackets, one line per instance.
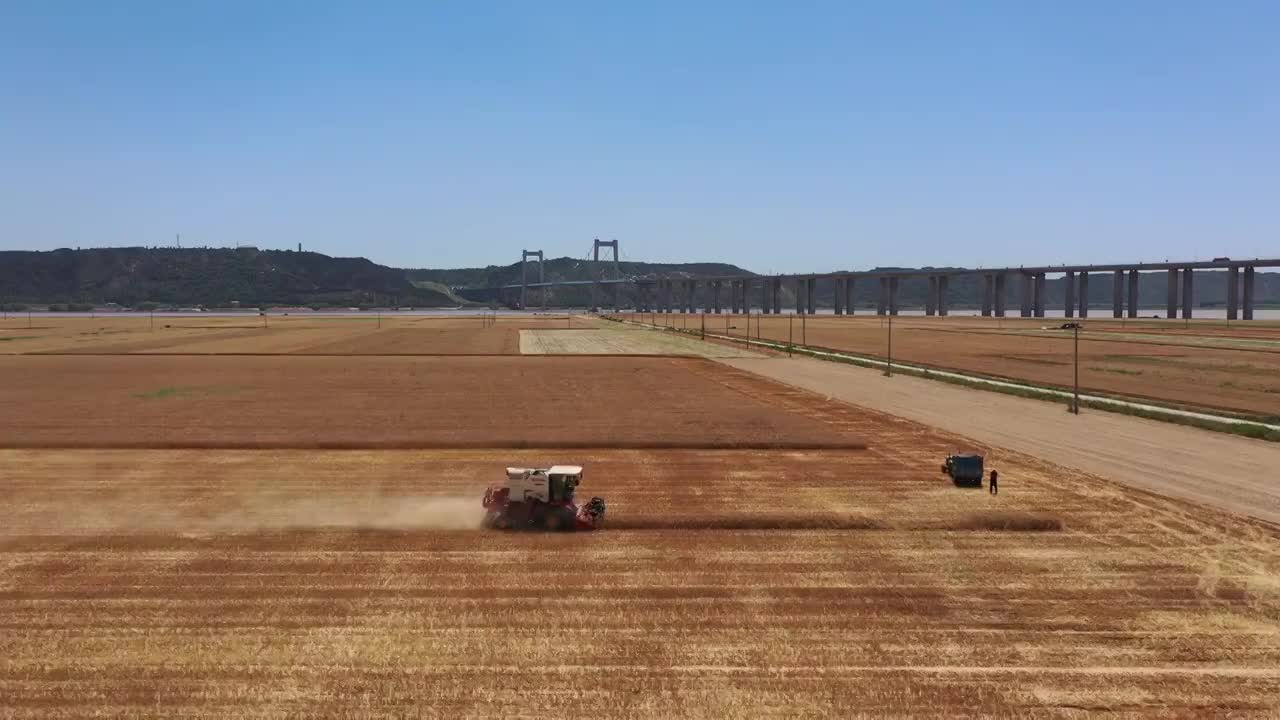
[1117, 371]
[191, 391]
[1036, 360]
[20, 337]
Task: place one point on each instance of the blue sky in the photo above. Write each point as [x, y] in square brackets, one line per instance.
[779, 136]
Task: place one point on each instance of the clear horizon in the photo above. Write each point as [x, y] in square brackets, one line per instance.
[776, 139]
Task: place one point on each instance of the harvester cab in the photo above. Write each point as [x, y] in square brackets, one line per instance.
[535, 498]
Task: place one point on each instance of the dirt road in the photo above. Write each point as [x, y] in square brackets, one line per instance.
[1225, 471]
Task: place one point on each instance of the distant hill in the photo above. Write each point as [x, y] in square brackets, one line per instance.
[217, 277]
[211, 277]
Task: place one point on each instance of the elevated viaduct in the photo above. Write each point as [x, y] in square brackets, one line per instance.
[763, 293]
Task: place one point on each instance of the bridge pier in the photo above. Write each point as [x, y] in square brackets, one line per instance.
[1027, 282]
[1247, 299]
[1041, 287]
[1171, 295]
[1001, 293]
[1188, 289]
[1133, 293]
[1117, 294]
[944, 281]
[931, 297]
[1069, 303]
[1233, 292]
[988, 291]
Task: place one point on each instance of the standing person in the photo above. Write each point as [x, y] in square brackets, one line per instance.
[995, 480]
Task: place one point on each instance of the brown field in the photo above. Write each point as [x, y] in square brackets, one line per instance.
[406, 402]
[335, 335]
[737, 579]
[1210, 366]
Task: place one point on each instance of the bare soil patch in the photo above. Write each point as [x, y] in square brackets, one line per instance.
[420, 340]
[615, 339]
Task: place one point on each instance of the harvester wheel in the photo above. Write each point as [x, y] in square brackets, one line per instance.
[944, 468]
[551, 521]
[501, 522]
[557, 521]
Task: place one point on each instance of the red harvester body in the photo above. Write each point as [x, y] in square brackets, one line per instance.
[541, 499]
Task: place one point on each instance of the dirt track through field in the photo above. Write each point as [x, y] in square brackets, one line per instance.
[1225, 471]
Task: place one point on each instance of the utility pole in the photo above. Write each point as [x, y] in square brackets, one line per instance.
[888, 366]
[1075, 398]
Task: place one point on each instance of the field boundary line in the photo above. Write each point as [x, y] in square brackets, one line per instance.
[486, 444]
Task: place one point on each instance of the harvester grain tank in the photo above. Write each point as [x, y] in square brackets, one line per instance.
[964, 469]
[541, 499]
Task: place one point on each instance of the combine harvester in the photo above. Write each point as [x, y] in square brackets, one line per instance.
[541, 499]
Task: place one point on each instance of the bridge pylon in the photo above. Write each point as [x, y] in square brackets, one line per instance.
[598, 272]
[524, 277]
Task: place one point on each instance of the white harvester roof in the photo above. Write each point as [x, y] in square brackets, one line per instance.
[565, 470]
